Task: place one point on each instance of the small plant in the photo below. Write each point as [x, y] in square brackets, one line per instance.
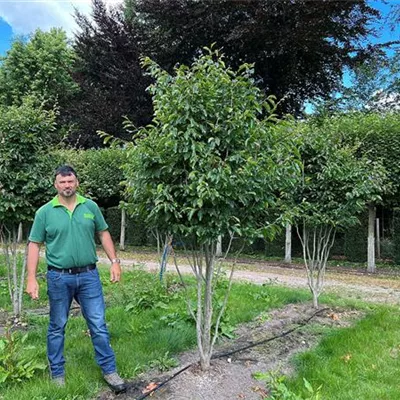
[175, 319]
[15, 364]
[265, 296]
[263, 317]
[278, 390]
[225, 328]
[138, 329]
[146, 293]
[163, 363]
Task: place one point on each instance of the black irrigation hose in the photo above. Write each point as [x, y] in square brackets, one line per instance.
[299, 325]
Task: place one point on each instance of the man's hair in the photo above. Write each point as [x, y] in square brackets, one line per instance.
[65, 170]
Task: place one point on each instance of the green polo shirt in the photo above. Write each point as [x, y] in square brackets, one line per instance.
[69, 236]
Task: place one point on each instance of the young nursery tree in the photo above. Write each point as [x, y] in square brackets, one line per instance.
[24, 181]
[336, 186]
[213, 162]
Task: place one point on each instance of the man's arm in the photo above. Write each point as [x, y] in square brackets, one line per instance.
[108, 246]
[32, 286]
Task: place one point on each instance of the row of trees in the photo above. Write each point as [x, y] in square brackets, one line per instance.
[216, 160]
[299, 50]
[219, 157]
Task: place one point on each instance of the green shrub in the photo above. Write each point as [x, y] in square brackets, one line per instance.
[16, 363]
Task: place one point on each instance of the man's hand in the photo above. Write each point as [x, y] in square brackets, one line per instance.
[115, 272]
[32, 288]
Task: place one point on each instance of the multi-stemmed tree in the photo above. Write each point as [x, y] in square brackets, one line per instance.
[213, 162]
[336, 186]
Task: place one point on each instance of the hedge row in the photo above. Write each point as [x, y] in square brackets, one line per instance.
[352, 244]
[136, 233]
[396, 236]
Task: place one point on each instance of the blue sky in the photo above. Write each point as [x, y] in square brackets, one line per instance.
[21, 17]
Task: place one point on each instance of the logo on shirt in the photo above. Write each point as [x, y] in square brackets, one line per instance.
[88, 216]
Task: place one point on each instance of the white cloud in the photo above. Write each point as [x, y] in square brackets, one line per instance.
[24, 16]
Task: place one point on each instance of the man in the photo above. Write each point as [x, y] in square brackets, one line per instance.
[67, 225]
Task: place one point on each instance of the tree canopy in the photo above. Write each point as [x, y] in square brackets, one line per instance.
[299, 47]
[377, 137]
[108, 71]
[208, 164]
[24, 162]
[39, 67]
[337, 181]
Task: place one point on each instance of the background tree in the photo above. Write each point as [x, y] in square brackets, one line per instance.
[25, 180]
[377, 137]
[299, 47]
[109, 75]
[206, 166]
[39, 67]
[336, 187]
[374, 87]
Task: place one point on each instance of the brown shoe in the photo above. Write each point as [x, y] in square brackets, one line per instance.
[116, 383]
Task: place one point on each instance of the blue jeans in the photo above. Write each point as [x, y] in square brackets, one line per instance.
[86, 289]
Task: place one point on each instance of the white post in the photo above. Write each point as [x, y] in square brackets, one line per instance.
[19, 236]
[288, 244]
[123, 228]
[218, 251]
[378, 240]
[371, 238]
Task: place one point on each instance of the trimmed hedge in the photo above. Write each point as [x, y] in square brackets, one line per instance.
[352, 244]
[136, 233]
[356, 240]
[396, 235]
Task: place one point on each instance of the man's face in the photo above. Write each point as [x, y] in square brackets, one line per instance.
[66, 185]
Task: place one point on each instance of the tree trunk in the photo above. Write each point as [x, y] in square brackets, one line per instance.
[203, 261]
[371, 238]
[205, 355]
[315, 300]
[22, 280]
[288, 244]
[15, 269]
[317, 243]
[123, 229]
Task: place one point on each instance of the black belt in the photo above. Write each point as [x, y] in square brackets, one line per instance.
[74, 270]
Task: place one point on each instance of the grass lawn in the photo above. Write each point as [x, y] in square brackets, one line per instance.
[357, 363]
[149, 325]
